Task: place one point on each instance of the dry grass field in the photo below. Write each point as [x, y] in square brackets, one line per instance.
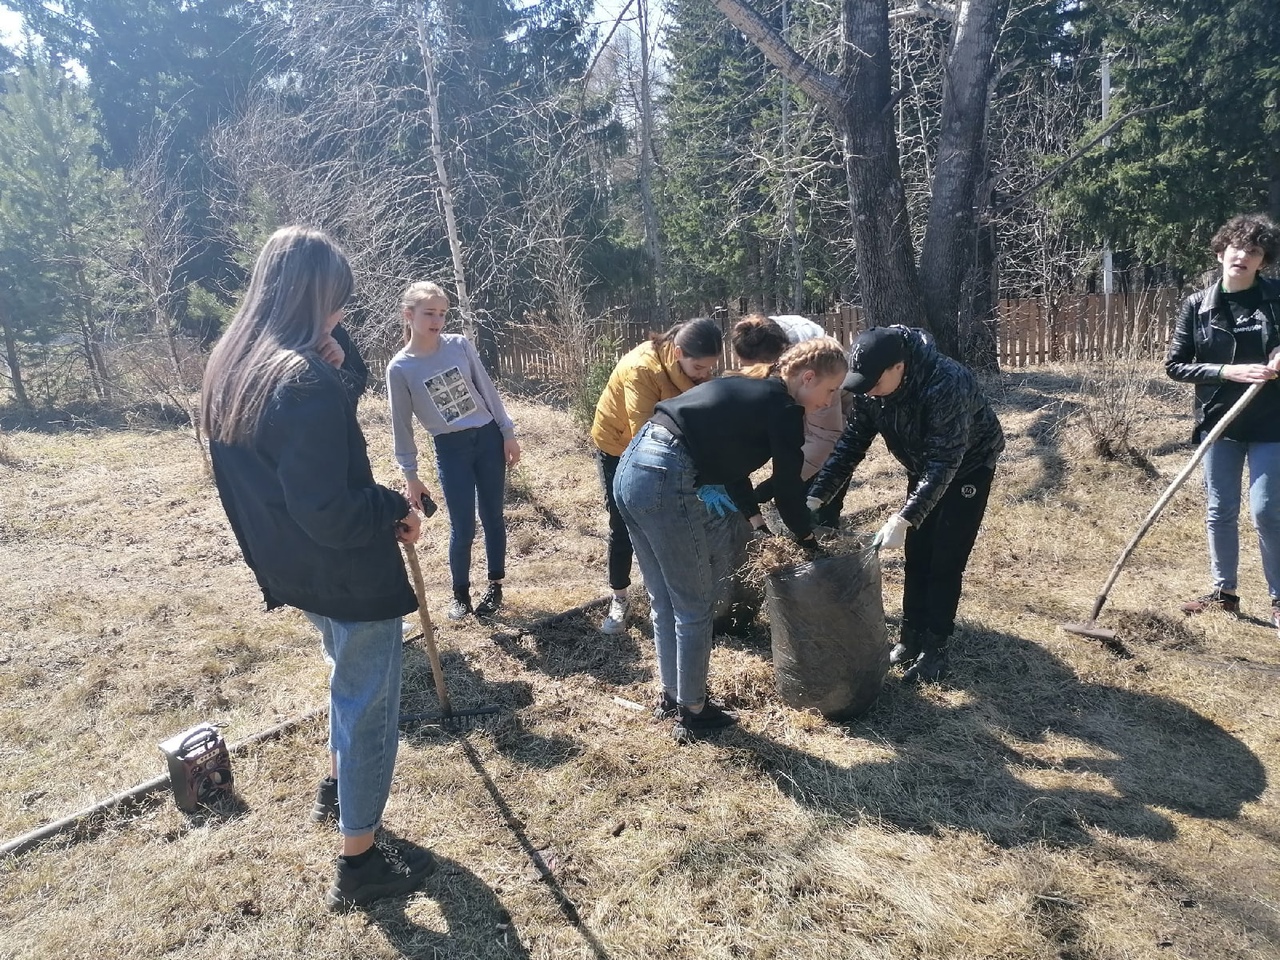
[1052, 800]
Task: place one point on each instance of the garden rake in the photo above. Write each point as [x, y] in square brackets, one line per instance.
[1090, 627]
[447, 718]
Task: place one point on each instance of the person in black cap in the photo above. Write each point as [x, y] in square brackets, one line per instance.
[938, 424]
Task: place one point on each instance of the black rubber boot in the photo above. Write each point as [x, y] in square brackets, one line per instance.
[907, 649]
[931, 666]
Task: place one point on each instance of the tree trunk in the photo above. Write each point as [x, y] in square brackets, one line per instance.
[947, 250]
[980, 336]
[15, 367]
[176, 360]
[796, 293]
[167, 326]
[90, 340]
[652, 242]
[442, 174]
[858, 105]
[884, 252]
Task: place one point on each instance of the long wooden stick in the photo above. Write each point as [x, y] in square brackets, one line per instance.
[1217, 431]
[428, 631]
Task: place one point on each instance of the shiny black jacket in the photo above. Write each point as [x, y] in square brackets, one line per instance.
[938, 424]
[1204, 339]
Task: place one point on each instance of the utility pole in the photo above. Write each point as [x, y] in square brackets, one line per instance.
[653, 242]
[1108, 269]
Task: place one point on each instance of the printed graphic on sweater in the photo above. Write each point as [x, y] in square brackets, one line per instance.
[450, 394]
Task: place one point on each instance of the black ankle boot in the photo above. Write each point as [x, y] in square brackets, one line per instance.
[931, 666]
[491, 601]
[907, 649]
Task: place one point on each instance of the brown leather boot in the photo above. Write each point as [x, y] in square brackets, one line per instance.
[1219, 599]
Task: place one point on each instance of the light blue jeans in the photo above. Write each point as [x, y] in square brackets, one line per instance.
[668, 524]
[364, 714]
[1223, 471]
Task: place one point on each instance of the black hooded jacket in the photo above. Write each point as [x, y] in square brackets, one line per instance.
[938, 424]
[314, 528]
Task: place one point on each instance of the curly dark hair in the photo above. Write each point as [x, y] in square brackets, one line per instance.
[1249, 230]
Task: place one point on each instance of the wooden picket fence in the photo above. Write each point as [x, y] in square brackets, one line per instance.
[1086, 327]
[1029, 332]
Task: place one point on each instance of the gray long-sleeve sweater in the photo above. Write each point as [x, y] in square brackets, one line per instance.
[448, 390]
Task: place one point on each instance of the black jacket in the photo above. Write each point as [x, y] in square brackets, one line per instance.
[313, 526]
[938, 424]
[1204, 340]
[735, 425]
[355, 375]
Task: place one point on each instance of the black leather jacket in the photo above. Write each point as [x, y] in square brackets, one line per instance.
[1203, 341]
[937, 424]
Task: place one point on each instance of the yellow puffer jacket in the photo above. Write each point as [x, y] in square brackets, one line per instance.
[645, 376]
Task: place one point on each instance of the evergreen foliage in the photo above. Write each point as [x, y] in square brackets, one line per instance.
[1209, 71]
[148, 147]
[63, 231]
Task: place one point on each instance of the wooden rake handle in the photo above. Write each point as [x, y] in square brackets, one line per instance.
[428, 631]
[1218, 429]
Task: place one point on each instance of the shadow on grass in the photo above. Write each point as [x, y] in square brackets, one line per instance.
[574, 646]
[1045, 433]
[476, 923]
[1028, 390]
[568, 909]
[468, 690]
[413, 941]
[91, 417]
[1121, 756]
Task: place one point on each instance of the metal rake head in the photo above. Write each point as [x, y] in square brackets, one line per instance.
[456, 721]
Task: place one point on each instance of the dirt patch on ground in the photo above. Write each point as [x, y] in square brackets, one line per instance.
[1169, 632]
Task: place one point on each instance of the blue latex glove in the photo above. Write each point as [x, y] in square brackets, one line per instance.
[717, 499]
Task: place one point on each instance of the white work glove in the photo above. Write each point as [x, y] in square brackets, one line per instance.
[892, 535]
[813, 503]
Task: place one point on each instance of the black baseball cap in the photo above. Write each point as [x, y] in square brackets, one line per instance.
[874, 352]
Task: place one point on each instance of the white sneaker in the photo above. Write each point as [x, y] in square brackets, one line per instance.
[616, 621]
[410, 628]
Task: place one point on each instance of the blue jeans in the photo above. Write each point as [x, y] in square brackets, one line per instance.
[1223, 471]
[364, 714]
[473, 472]
[668, 524]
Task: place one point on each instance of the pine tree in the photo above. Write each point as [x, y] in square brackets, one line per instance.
[1208, 72]
[61, 219]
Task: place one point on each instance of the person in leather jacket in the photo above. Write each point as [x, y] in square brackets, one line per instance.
[937, 423]
[1226, 338]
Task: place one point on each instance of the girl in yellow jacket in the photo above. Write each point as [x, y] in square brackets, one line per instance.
[664, 366]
